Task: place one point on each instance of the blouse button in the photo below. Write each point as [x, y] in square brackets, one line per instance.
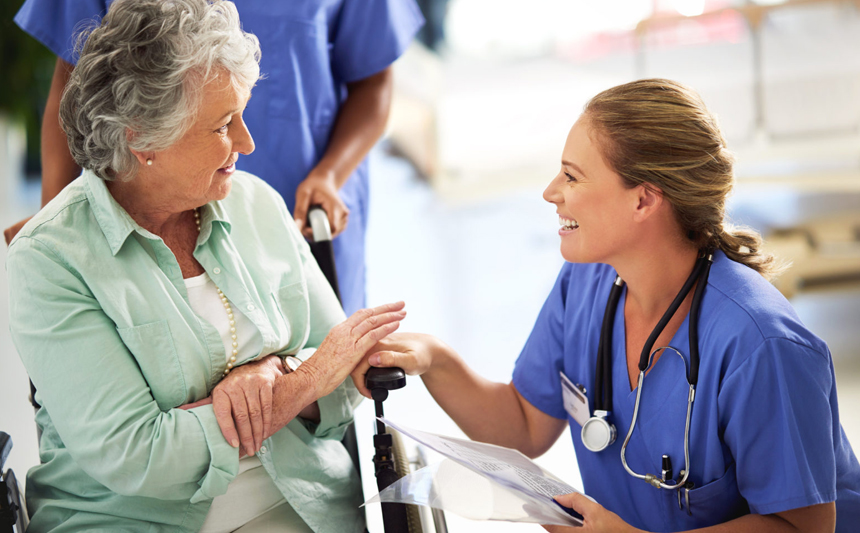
[251, 307]
[262, 449]
[216, 270]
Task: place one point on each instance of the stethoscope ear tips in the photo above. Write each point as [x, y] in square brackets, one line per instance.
[597, 433]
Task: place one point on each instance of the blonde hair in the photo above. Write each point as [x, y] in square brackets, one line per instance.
[659, 132]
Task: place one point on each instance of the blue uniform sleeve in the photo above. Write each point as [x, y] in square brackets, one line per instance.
[536, 372]
[372, 34]
[55, 23]
[777, 411]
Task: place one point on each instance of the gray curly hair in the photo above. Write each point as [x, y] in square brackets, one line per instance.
[138, 80]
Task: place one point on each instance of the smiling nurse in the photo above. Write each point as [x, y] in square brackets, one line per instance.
[754, 435]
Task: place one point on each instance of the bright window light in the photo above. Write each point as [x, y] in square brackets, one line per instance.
[689, 8]
[514, 27]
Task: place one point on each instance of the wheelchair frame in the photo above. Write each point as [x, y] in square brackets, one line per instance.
[13, 514]
[390, 460]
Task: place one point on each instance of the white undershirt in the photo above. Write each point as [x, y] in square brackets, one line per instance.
[204, 300]
[252, 493]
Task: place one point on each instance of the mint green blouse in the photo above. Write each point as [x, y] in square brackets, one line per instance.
[100, 317]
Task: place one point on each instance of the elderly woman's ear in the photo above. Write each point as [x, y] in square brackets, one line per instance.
[143, 158]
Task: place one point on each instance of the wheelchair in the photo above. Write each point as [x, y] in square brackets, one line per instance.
[391, 461]
[13, 514]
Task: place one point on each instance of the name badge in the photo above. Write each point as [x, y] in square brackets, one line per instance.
[575, 402]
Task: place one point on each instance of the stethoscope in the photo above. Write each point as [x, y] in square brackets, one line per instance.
[598, 433]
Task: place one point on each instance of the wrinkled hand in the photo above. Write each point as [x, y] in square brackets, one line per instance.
[320, 188]
[242, 403]
[310, 412]
[413, 352]
[346, 344]
[596, 519]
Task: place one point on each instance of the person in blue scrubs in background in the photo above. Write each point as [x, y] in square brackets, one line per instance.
[641, 194]
[320, 108]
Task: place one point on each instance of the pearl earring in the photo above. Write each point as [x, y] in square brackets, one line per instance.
[149, 162]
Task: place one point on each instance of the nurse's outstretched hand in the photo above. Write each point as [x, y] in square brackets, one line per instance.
[595, 517]
[415, 353]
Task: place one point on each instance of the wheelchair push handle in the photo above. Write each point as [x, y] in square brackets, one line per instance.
[318, 220]
[322, 246]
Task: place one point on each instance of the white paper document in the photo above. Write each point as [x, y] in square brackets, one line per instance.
[509, 486]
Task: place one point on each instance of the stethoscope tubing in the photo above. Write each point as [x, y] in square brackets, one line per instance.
[694, 276]
[603, 370]
[695, 310]
[651, 478]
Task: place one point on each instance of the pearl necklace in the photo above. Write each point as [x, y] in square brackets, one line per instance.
[227, 308]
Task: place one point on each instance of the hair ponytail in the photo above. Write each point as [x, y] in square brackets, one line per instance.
[744, 245]
[659, 132]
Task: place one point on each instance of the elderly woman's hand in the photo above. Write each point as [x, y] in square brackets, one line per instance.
[243, 400]
[234, 418]
[346, 344]
[242, 403]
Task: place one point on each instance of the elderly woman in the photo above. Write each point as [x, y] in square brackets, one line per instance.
[152, 299]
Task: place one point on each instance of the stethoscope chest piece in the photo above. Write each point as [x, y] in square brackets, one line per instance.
[597, 433]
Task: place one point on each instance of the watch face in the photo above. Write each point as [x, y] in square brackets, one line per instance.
[291, 363]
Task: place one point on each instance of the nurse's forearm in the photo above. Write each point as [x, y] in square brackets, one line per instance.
[58, 167]
[819, 518]
[488, 411]
[360, 123]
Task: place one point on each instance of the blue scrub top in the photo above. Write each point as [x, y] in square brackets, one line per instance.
[765, 434]
[310, 50]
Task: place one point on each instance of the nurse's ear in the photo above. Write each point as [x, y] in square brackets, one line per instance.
[649, 201]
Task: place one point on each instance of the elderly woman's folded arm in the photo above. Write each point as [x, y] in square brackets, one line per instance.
[98, 400]
[326, 415]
